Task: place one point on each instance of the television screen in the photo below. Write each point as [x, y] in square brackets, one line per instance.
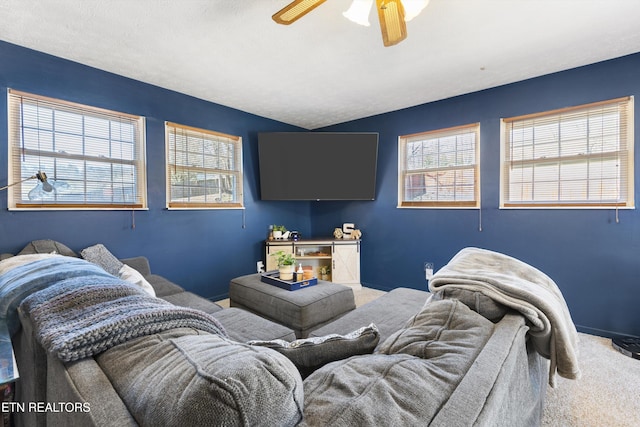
[317, 165]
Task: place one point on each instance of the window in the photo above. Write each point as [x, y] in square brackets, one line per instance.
[573, 157]
[440, 168]
[204, 168]
[92, 158]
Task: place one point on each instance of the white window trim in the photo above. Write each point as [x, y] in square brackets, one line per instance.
[475, 204]
[204, 206]
[14, 164]
[504, 164]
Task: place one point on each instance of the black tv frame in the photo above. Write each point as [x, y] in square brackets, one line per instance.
[318, 165]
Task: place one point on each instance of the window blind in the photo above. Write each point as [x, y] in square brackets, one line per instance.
[573, 157]
[204, 168]
[440, 168]
[93, 158]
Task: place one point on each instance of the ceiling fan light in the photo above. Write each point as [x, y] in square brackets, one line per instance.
[412, 8]
[295, 10]
[392, 24]
[359, 12]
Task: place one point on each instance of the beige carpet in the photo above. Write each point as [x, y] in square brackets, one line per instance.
[607, 395]
[365, 295]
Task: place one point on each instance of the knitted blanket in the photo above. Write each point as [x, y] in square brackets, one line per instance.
[83, 316]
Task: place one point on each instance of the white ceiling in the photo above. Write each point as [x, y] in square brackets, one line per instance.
[323, 69]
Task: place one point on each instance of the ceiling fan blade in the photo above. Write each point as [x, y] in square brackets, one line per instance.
[295, 10]
[392, 24]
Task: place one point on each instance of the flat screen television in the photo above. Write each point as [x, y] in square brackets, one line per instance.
[317, 165]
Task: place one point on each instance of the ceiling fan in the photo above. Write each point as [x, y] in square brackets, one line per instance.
[392, 15]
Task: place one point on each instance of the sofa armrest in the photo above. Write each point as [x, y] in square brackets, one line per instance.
[84, 383]
[505, 385]
[140, 263]
[46, 379]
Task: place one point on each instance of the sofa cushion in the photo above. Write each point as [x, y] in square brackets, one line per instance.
[242, 326]
[408, 379]
[308, 354]
[390, 312]
[162, 286]
[187, 377]
[191, 300]
[47, 246]
[444, 328]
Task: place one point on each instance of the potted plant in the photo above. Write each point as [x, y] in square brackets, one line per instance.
[278, 230]
[324, 272]
[286, 262]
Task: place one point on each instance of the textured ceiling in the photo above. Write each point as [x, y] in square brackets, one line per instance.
[323, 69]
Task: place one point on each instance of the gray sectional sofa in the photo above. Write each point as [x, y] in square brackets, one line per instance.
[434, 361]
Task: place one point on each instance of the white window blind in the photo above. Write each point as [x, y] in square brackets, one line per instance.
[204, 168]
[440, 168]
[573, 157]
[92, 158]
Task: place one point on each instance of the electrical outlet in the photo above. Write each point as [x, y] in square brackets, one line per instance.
[260, 267]
[428, 270]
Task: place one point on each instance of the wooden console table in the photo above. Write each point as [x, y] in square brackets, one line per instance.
[341, 256]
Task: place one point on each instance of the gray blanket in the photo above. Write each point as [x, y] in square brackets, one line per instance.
[519, 286]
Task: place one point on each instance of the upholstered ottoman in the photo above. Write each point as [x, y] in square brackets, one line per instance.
[303, 310]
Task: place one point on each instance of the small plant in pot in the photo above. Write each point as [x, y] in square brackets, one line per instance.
[278, 230]
[286, 264]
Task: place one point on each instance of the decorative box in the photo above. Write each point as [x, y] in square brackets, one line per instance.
[273, 278]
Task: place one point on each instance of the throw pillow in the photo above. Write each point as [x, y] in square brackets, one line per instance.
[133, 276]
[441, 329]
[185, 377]
[309, 354]
[100, 255]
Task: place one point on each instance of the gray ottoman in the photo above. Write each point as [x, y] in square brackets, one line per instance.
[303, 310]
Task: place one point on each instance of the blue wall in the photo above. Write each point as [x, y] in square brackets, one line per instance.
[200, 250]
[594, 260]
